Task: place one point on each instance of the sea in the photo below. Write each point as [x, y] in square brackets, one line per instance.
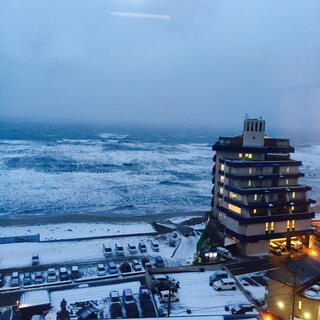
[50, 169]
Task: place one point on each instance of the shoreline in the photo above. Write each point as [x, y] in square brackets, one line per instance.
[29, 220]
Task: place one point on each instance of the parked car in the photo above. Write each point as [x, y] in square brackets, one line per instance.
[275, 249]
[27, 280]
[14, 281]
[125, 267]
[101, 270]
[35, 259]
[146, 263]
[112, 268]
[296, 245]
[52, 276]
[1, 279]
[223, 252]
[115, 305]
[119, 250]
[107, 251]
[142, 247]
[217, 275]
[146, 304]
[38, 278]
[132, 248]
[130, 304]
[75, 274]
[136, 265]
[63, 274]
[242, 308]
[158, 262]
[164, 297]
[155, 246]
[225, 284]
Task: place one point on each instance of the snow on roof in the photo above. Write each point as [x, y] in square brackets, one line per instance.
[34, 298]
[91, 293]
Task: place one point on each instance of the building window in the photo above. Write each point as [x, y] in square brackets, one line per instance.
[222, 179]
[222, 167]
[221, 190]
[293, 195]
[288, 225]
[240, 155]
[255, 197]
[249, 183]
[292, 208]
[288, 169]
[220, 202]
[287, 181]
[300, 305]
[267, 227]
[250, 170]
[234, 208]
[293, 224]
[235, 196]
[248, 155]
[272, 226]
[254, 210]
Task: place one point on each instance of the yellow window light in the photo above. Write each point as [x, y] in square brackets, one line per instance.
[272, 226]
[288, 224]
[293, 195]
[222, 179]
[221, 190]
[287, 181]
[280, 304]
[234, 208]
[250, 155]
[255, 197]
[240, 155]
[293, 224]
[249, 183]
[254, 210]
[307, 315]
[222, 167]
[267, 226]
[300, 305]
[292, 208]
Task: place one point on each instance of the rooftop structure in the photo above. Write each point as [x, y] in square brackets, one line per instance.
[256, 194]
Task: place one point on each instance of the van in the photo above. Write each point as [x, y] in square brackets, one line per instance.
[107, 251]
[223, 252]
[164, 297]
[225, 284]
[275, 249]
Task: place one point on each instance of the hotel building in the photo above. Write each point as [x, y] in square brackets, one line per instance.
[257, 197]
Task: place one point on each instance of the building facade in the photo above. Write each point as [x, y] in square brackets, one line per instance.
[256, 193]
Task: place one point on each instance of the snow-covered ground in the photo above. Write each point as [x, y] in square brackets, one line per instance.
[76, 230]
[197, 295]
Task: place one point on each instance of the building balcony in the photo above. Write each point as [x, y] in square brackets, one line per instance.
[264, 176]
[261, 164]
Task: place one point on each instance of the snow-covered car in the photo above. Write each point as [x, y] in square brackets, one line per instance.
[225, 284]
[63, 274]
[51, 275]
[107, 251]
[15, 280]
[38, 278]
[115, 305]
[101, 270]
[142, 247]
[164, 296]
[1, 279]
[119, 250]
[75, 274]
[217, 275]
[132, 248]
[130, 304]
[112, 268]
[146, 263]
[136, 265]
[158, 262]
[27, 280]
[242, 308]
[35, 259]
[155, 246]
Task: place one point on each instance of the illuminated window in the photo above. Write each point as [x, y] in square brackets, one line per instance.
[267, 226]
[293, 195]
[250, 155]
[221, 190]
[247, 155]
[287, 181]
[250, 170]
[292, 208]
[220, 202]
[249, 183]
[280, 304]
[293, 224]
[222, 179]
[288, 169]
[272, 226]
[240, 155]
[235, 196]
[299, 304]
[222, 167]
[234, 208]
[288, 224]
[254, 210]
[255, 197]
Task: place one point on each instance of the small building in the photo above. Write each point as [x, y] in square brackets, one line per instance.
[34, 303]
[295, 288]
[257, 197]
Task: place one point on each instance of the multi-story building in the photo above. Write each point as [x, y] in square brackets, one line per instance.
[256, 194]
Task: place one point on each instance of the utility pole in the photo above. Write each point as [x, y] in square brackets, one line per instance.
[169, 301]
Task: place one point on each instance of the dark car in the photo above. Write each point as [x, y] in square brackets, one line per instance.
[125, 267]
[147, 306]
[242, 308]
[146, 263]
[130, 304]
[1, 280]
[159, 263]
[115, 305]
[75, 274]
[27, 281]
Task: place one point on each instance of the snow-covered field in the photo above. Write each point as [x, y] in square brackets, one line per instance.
[76, 230]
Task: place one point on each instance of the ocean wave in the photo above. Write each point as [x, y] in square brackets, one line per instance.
[112, 136]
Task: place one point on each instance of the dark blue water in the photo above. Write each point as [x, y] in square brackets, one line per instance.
[51, 169]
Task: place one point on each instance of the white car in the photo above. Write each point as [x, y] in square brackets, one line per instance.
[225, 284]
[107, 251]
[164, 297]
[119, 250]
[101, 270]
[155, 246]
[52, 276]
[136, 265]
[132, 248]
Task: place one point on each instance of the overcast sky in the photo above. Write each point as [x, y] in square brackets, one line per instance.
[199, 62]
